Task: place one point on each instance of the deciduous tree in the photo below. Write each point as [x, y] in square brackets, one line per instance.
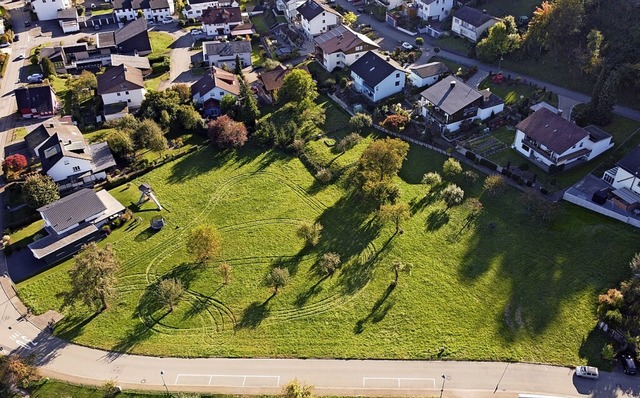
[16, 371]
[39, 190]
[297, 86]
[310, 232]
[329, 262]
[451, 167]
[452, 195]
[349, 18]
[169, 292]
[431, 179]
[120, 143]
[227, 133]
[248, 108]
[204, 243]
[360, 121]
[48, 69]
[503, 39]
[225, 270]
[398, 266]
[277, 278]
[494, 184]
[15, 162]
[634, 264]
[149, 135]
[395, 213]
[228, 105]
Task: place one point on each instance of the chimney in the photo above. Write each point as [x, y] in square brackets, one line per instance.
[388, 59]
[453, 83]
[484, 11]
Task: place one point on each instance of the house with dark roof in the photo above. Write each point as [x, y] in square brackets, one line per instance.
[340, 47]
[317, 17]
[271, 81]
[68, 20]
[427, 74]
[471, 23]
[152, 10]
[65, 156]
[121, 85]
[195, 8]
[36, 101]
[210, 89]
[131, 39]
[220, 21]
[220, 54]
[451, 102]
[434, 10]
[555, 143]
[73, 221]
[377, 77]
[48, 9]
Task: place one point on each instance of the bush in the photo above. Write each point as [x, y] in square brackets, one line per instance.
[488, 164]
[106, 229]
[419, 41]
[116, 223]
[324, 175]
[348, 142]
[310, 232]
[506, 172]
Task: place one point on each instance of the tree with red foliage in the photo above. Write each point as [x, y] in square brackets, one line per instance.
[15, 162]
[395, 122]
[227, 133]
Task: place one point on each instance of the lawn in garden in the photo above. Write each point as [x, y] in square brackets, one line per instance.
[160, 42]
[511, 93]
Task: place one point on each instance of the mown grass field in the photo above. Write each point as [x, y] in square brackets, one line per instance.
[519, 292]
[160, 42]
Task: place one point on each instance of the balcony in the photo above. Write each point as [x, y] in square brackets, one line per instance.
[609, 176]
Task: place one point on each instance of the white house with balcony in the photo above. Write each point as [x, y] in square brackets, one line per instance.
[152, 10]
[195, 8]
[221, 54]
[123, 87]
[433, 10]
[341, 47]
[220, 21]
[471, 23]
[317, 18]
[48, 9]
[555, 143]
[289, 8]
[377, 78]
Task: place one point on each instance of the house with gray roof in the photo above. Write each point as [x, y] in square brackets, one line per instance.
[131, 39]
[195, 8]
[73, 221]
[376, 77]
[121, 84]
[317, 17]
[69, 20]
[451, 102]
[152, 10]
[554, 143]
[221, 54]
[471, 23]
[427, 74]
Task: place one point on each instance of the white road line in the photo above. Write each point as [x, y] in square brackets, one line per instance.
[398, 381]
[230, 383]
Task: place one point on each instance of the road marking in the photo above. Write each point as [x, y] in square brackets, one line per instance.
[227, 380]
[412, 383]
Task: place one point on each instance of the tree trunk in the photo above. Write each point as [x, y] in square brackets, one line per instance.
[105, 306]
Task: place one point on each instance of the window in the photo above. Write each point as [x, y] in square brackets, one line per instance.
[76, 168]
[66, 162]
[323, 21]
[526, 148]
[126, 92]
[118, 94]
[358, 48]
[129, 101]
[397, 84]
[397, 74]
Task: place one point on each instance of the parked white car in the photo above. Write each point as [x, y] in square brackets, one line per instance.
[196, 32]
[167, 20]
[35, 78]
[589, 372]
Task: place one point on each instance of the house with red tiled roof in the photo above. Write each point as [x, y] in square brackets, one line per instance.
[340, 47]
[220, 21]
[210, 88]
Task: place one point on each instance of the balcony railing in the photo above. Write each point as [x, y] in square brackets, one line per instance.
[609, 176]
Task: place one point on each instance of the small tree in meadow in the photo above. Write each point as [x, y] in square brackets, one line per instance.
[398, 266]
[277, 279]
[494, 184]
[39, 190]
[452, 195]
[169, 292]
[431, 179]
[227, 133]
[225, 270]
[310, 232]
[348, 142]
[395, 213]
[329, 262]
[204, 243]
[451, 168]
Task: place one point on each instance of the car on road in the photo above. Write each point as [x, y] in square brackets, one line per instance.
[35, 78]
[628, 364]
[20, 56]
[407, 46]
[150, 22]
[589, 372]
[167, 20]
[94, 5]
[196, 32]
[360, 9]
[96, 27]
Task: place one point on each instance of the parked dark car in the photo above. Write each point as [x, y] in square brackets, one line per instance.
[628, 364]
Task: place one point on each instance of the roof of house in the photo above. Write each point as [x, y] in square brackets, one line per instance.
[47, 129]
[40, 98]
[101, 156]
[64, 142]
[130, 30]
[124, 35]
[215, 16]
[119, 78]
[105, 39]
[451, 95]
[68, 13]
[140, 4]
[273, 79]
[115, 108]
[373, 69]
[72, 209]
[430, 69]
[243, 29]
[227, 49]
[631, 161]
[52, 243]
[340, 39]
[472, 16]
[312, 9]
[552, 130]
[217, 79]
[130, 60]
[596, 134]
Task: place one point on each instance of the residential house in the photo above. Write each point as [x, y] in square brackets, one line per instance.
[152, 10]
[123, 87]
[210, 88]
[244, 29]
[65, 156]
[48, 9]
[220, 21]
[376, 77]
[289, 8]
[340, 47]
[219, 54]
[390, 4]
[450, 102]
[133, 61]
[132, 38]
[434, 10]
[625, 179]
[471, 23]
[271, 81]
[73, 221]
[427, 74]
[195, 8]
[1, 26]
[317, 18]
[36, 101]
[555, 143]
[69, 20]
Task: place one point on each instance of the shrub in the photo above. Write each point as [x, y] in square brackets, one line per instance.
[324, 175]
[506, 172]
[471, 176]
[106, 229]
[452, 195]
[349, 142]
[360, 121]
[116, 223]
[15, 162]
[310, 232]
[432, 178]
[488, 164]
[419, 41]
[395, 123]
[329, 262]
[451, 167]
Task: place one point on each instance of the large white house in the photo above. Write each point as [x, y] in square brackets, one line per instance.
[123, 87]
[195, 8]
[554, 143]
[471, 23]
[434, 10]
[340, 47]
[427, 74]
[376, 77]
[451, 102]
[48, 9]
[389, 4]
[220, 54]
[317, 18]
[289, 8]
[220, 21]
[152, 10]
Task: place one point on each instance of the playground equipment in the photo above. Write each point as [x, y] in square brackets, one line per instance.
[147, 193]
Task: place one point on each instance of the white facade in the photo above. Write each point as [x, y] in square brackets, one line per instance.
[418, 81]
[133, 98]
[228, 60]
[469, 31]
[1, 26]
[623, 179]
[69, 26]
[390, 4]
[155, 15]
[340, 59]
[482, 114]
[195, 10]
[290, 8]
[216, 93]
[320, 24]
[68, 166]
[215, 29]
[434, 10]
[394, 83]
[48, 9]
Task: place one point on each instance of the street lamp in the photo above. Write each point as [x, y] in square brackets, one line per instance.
[164, 383]
[444, 378]
[500, 63]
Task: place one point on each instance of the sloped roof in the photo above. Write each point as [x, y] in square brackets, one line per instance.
[451, 95]
[130, 60]
[140, 4]
[101, 156]
[219, 78]
[50, 127]
[214, 16]
[68, 14]
[35, 97]
[373, 69]
[119, 78]
[227, 49]
[430, 69]
[312, 9]
[72, 209]
[243, 29]
[472, 16]
[552, 130]
[273, 79]
[341, 39]
[631, 161]
[130, 30]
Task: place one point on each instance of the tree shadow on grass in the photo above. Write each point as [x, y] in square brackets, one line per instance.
[145, 234]
[314, 290]
[71, 327]
[185, 273]
[379, 310]
[436, 220]
[290, 263]
[254, 314]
